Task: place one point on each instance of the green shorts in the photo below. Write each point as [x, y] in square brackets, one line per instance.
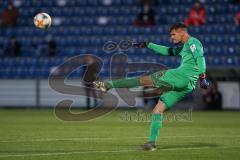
[173, 84]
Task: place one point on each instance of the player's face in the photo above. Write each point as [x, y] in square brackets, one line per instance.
[177, 35]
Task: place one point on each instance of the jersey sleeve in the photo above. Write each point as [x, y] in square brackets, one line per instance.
[201, 65]
[159, 49]
[163, 50]
[198, 54]
[196, 49]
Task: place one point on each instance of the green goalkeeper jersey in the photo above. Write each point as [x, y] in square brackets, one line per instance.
[192, 57]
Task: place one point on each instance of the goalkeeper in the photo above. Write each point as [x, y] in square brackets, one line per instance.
[174, 83]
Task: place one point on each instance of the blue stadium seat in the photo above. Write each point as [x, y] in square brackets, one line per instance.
[81, 2]
[219, 40]
[78, 21]
[43, 72]
[94, 3]
[207, 39]
[231, 50]
[211, 19]
[216, 61]
[229, 61]
[218, 50]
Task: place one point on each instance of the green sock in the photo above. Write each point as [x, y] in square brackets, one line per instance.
[124, 83]
[156, 124]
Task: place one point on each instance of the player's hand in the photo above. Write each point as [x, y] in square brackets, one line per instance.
[140, 45]
[203, 81]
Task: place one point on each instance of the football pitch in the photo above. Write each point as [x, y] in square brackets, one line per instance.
[39, 134]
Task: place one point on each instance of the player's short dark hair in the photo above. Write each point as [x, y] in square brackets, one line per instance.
[177, 26]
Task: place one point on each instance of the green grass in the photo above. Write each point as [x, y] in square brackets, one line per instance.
[39, 134]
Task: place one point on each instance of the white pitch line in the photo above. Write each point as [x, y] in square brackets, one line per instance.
[71, 139]
[196, 148]
[63, 153]
[113, 138]
[113, 151]
[201, 136]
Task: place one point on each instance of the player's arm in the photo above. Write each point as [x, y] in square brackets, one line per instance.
[201, 65]
[159, 49]
[198, 55]
[202, 70]
[197, 51]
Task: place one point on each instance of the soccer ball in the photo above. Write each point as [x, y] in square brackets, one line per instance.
[42, 21]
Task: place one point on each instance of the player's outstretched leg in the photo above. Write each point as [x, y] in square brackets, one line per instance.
[156, 125]
[123, 83]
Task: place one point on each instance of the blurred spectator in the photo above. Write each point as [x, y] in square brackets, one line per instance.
[10, 16]
[13, 48]
[146, 16]
[212, 98]
[45, 48]
[38, 47]
[90, 74]
[51, 46]
[197, 15]
[237, 19]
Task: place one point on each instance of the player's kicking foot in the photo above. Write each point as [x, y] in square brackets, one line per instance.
[149, 146]
[100, 85]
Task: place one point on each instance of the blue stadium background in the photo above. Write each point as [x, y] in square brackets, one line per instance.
[79, 33]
